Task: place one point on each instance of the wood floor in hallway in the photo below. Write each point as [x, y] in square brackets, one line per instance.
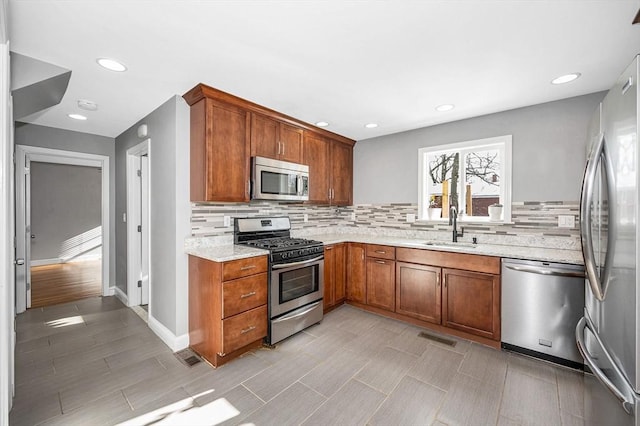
[65, 282]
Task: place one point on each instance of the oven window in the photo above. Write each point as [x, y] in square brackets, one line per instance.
[278, 183]
[298, 283]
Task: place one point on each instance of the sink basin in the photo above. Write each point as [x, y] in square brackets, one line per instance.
[450, 245]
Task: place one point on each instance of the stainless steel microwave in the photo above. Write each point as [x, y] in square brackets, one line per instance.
[279, 180]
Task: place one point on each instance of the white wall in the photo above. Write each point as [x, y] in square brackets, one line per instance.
[549, 152]
[168, 131]
[66, 203]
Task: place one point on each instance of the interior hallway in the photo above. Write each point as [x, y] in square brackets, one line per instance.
[95, 362]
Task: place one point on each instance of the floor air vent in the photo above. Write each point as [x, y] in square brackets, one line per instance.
[439, 339]
[188, 357]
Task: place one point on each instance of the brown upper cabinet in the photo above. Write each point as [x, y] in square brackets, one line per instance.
[226, 131]
[275, 139]
[330, 170]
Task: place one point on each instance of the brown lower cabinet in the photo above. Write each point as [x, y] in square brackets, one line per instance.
[335, 275]
[227, 306]
[471, 302]
[356, 273]
[458, 293]
[418, 292]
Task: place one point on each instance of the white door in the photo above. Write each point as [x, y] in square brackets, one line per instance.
[144, 235]
[23, 232]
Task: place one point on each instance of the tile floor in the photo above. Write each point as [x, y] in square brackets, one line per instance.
[95, 362]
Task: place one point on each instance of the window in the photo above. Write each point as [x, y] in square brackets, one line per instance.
[472, 176]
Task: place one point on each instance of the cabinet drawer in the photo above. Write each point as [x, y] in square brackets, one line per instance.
[243, 294]
[242, 329]
[381, 252]
[243, 267]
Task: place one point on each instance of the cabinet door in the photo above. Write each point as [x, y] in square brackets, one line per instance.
[316, 156]
[340, 258]
[329, 277]
[418, 291]
[356, 273]
[227, 153]
[264, 136]
[290, 138]
[341, 174]
[381, 283]
[471, 302]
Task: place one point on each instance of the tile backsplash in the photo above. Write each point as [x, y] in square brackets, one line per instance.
[533, 223]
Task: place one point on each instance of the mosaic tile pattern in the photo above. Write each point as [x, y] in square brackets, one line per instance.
[533, 223]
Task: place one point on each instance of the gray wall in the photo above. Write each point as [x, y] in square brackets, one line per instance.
[67, 140]
[168, 130]
[549, 152]
[65, 203]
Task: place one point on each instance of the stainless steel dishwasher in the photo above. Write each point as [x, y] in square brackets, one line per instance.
[541, 304]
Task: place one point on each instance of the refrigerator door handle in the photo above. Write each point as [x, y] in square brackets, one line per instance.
[625, 398]
[598, 286]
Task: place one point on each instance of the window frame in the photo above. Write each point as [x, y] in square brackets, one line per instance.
[503, 143]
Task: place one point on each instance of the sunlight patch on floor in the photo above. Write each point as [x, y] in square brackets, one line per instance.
[63, 322]
[185, 412]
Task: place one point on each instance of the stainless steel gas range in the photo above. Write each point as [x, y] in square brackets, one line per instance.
[296, 274]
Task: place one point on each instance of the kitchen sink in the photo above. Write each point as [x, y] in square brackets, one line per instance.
[450, 245]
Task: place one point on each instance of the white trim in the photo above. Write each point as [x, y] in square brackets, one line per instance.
[176, 343]
[120, 295]
[7, 278]
[58, 156]
[133, 219]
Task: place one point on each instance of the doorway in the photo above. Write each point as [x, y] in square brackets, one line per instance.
[25, 155]
[139, 286]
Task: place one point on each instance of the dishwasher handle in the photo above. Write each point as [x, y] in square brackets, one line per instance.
[546, 271]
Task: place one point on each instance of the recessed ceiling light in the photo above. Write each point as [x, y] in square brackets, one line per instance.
[87, 105]
[371, 125]
[77, 116]
[445, 107]
[565, 78]
[111, 64]
[322, 124]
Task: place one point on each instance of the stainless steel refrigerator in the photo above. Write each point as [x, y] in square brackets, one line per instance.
[608, 336]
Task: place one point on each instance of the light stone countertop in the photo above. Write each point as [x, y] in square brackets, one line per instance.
[221, 249]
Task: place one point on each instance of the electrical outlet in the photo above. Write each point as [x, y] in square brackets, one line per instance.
[353, 216]
[411, 217]
[305, 217]
[566, 221]
[227, 220]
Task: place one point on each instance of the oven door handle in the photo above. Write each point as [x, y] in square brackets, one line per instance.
[296, 314]
[304, 262]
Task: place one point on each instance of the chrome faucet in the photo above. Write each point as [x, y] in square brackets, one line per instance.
[453, 220]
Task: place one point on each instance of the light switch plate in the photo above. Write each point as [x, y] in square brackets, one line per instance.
[411, 217]
[305, 217]
[566, 221]
[227, 220]
[353, 216]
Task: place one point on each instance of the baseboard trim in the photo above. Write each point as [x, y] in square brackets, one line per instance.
[43, 262]
[174, 342]
[115, 291]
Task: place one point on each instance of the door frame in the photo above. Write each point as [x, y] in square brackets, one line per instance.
[57, 156]
[135, 241]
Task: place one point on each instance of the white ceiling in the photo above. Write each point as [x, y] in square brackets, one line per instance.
[345, 62]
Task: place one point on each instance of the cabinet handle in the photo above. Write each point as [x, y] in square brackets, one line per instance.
[328, 248]
[246, 268]
[437, 280]
[247, 186]
[244, 296]
[382, 262]
[333, 193]
[444, 281]
[248, 329]
[380, 251]
[282, 147]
